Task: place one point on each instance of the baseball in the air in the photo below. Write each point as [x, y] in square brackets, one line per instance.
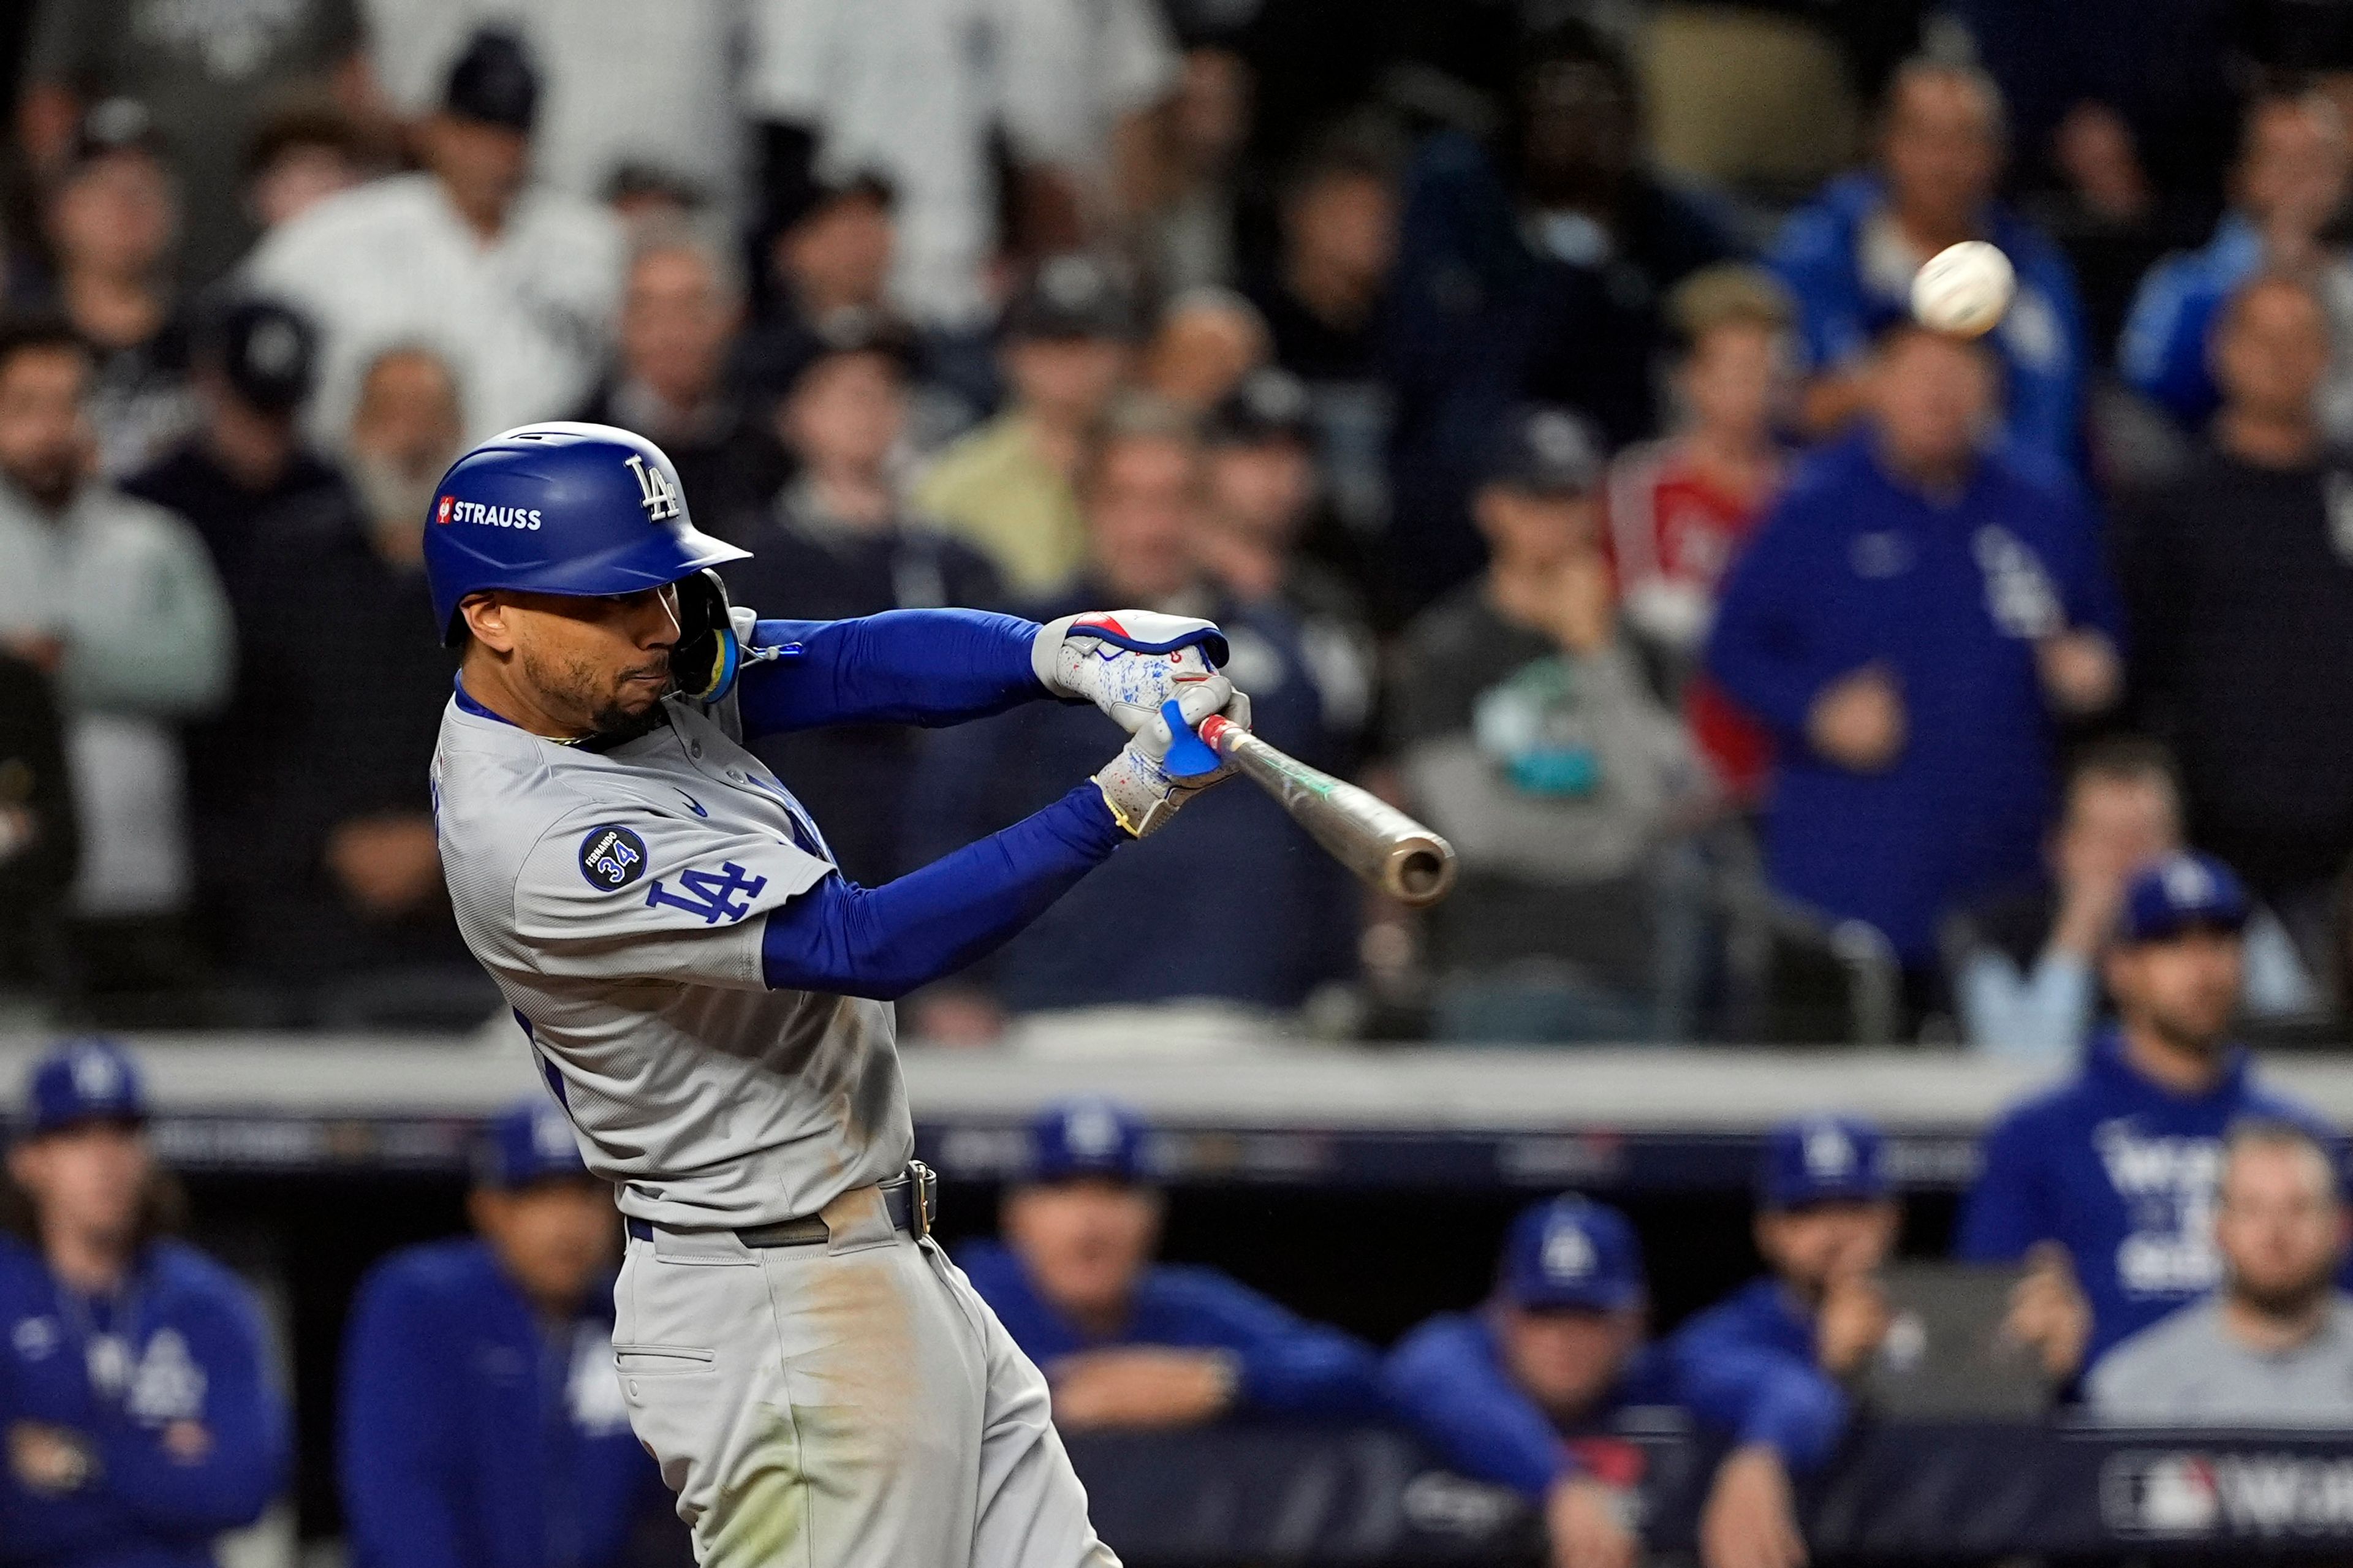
[1964, 290]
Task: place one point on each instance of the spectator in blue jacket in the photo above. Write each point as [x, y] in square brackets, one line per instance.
[1850, 259]
[1911, 621]
[1525, 1393]
[1129, 1342]
[135, 1404]
[2120, 1166]
[2288, 186]
[482, 1420]
[1141, 486]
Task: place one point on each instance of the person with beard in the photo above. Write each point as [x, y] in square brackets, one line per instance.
[326, 875]
[113, 599]
[2119, 1168]
[2274, 1346]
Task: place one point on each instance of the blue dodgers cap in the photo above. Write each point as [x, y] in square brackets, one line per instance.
[1821, 1160]
[525, 1143]
[1571, 1253]
[89, 1079]
[2169, 896]
[1087, 1137]
[561, 508]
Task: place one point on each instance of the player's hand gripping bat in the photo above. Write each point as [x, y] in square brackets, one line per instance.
[1379, 843]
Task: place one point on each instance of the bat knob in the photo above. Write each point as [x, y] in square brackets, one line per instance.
[1190, 756]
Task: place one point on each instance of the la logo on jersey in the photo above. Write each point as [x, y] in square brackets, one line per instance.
[655, 492]
[725, 894]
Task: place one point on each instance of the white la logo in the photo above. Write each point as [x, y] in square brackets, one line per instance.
[1568, 1254]
[1828, 1152]
[655, 492]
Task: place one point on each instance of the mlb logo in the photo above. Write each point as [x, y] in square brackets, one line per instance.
[441, 512]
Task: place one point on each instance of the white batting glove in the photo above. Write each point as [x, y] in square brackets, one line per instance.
[1146, 784]
[1129, 662]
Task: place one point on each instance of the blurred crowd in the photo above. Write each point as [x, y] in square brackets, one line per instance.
[1527, 388]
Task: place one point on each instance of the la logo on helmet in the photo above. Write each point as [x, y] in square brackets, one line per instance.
[655, 492]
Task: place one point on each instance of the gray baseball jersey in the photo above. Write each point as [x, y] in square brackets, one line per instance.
[617, 897]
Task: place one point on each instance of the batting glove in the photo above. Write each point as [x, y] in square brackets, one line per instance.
[1129, 662]
[1164, 764]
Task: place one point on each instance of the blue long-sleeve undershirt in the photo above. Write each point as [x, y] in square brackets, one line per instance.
[882, 942]
[902, 666]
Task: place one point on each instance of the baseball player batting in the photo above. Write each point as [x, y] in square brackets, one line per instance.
[710, 1000]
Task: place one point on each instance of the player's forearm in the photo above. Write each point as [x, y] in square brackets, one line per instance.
[882, 942]
[902, 666]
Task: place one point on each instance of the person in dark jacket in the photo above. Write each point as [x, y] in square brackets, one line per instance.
[327, 872]
[1140, 484]
[2117, 1168]
[1912, 620]
[1531, 272]
[2240, 577]
[137, 1416]
[1525, 1393]
[482, 1423]
[40, 838]
[840, 541]
[254, 362]
[1130, 1342]
[681, 312]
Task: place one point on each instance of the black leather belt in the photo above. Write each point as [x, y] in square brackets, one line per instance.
[912, 1199]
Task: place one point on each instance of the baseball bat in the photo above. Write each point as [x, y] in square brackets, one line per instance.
[1364, 833]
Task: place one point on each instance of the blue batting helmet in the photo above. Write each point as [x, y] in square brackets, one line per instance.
[561, 508]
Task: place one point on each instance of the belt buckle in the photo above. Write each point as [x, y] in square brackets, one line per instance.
[924, 1209]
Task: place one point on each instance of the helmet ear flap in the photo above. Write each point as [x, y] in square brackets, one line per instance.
[705, 660]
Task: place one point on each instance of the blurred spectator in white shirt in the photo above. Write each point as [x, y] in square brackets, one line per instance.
[1081, 87]
[113, 219]
[208, 73]
[1193, 238]
[515, 284]
[116, 600]
[846, 87]
[628, 85]
[2025, 962]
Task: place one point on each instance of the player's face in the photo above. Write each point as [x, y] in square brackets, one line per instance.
[554, 1238]
[2184, 989]
[2280, 1227]
[1811, 1246]
[85, 1180]
[1566, 1361]
[1085, 1243]
[579, 666]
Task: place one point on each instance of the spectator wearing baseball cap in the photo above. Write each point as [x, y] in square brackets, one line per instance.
[532, 1448]
[1526, 1391]
[1127, 1341]
[1827, 1217]
[517, 284]
[2117, 1169]
[135, 1385]
[254, 362]
[1009, 487]
[1529, 736]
